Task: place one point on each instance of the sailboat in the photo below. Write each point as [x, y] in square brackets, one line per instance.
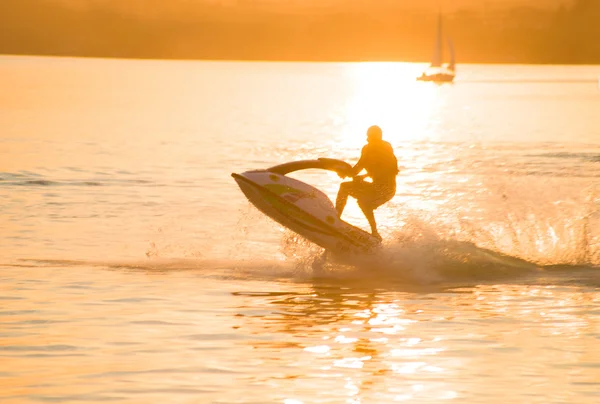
[437, 72]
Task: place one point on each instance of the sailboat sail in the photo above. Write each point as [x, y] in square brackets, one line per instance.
[452, 65]
[436, 61]
[438, 72]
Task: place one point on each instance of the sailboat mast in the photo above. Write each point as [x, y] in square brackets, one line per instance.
[452, 65]
[436, 61]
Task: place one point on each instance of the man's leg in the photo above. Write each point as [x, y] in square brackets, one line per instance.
[363, 192]
[342, 197]
[370, 215]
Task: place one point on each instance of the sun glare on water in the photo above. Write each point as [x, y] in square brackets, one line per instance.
[387, 94]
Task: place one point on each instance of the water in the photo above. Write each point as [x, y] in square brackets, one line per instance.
[133, 270]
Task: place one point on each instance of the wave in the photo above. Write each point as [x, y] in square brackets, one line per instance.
[30, 179]
[399, 263]
[586, 157]
[419, 262]
[520, 236]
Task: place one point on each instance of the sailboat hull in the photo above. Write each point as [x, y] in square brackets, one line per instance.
[437, 78]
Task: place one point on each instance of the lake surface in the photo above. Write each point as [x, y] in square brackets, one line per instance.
[132, 268]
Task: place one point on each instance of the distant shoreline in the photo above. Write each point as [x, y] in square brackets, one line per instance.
[258, 60]
[566, 34]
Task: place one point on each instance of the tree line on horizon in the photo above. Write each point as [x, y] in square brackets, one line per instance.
[567, 34]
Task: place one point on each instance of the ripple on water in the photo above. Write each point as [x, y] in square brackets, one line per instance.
[82, 398]
[39, 348]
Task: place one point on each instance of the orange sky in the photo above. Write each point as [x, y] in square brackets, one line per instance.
[483, 30]
[447, 5]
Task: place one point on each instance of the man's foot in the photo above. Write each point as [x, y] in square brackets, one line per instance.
[377, 236]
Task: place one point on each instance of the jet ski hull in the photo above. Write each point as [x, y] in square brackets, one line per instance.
[303, 209]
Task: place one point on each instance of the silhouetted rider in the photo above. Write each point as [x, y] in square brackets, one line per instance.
[380, 163]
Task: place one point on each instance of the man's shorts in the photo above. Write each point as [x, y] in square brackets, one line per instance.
[370, 195]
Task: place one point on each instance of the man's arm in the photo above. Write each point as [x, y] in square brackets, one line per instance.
[358, 167]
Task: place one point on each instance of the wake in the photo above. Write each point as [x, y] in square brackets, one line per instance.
[419, 253]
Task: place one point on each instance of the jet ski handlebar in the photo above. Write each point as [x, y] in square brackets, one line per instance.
[340, 167]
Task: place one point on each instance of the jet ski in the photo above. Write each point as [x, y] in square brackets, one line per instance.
[303, 208]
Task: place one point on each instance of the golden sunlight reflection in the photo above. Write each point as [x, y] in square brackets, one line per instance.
[412, 353]
[386, 94]
[320, 349]
[394, 347]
